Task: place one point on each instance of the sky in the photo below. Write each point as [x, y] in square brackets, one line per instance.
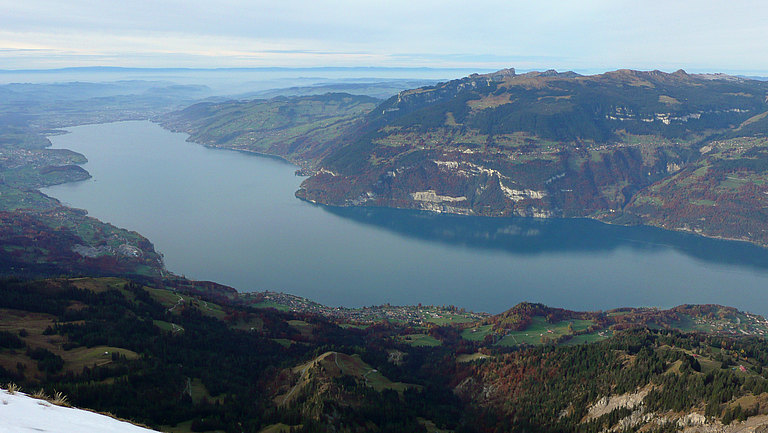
[580, 35]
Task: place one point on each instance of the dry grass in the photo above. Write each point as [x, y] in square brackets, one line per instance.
[99, 285]
[664, 99]
[753, 119]
[12, 388]
[490, 101]
[40, 394]
[79, 357]
[58, 398]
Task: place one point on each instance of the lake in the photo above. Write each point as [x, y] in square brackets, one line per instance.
[232, 218]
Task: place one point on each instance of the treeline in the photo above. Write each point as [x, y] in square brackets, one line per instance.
[235, 367]
[546, 389]
[549, 388]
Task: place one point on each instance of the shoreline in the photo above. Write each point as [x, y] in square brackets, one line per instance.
[166, 272]
[591, 218]
[300, 166]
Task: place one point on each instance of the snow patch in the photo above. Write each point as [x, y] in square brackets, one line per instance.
[20, 413]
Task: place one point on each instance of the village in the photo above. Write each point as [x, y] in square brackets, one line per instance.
[406, 314]
[751, 324]
[14, 157]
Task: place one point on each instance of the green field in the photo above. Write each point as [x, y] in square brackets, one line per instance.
[477, 333]
[271, 304]
[540, 331]
[200, 392]
[168, 326]
[354, 325]
[588, 338]
[12, 199]
[283, 342]
[166, 297]
[80, 357]
[354, 366]
[212, 310]
[449, 319]
[422, 340]
[303, 327]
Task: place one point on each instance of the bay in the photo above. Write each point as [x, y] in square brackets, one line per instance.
[232, 218]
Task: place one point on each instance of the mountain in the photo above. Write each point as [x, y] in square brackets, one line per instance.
[302, 129]
[624, 146]
[186, 356]
[183, 356]
[676, 150]
[375, 89]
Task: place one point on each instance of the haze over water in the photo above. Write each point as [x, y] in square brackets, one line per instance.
[232, 218]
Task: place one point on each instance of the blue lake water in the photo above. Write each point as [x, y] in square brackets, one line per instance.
[232, 218]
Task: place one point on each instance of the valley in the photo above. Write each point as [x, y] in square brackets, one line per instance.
[358, 217]
[125, 332]
[253, 235]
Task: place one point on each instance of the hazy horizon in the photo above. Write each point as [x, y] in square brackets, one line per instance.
[243, 80]
[586, 37]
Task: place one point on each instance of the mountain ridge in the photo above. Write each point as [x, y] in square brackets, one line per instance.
[545, 145]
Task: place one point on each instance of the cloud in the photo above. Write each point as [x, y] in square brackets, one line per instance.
[588, 34]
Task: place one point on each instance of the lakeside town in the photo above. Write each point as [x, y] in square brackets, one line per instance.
[406, 314]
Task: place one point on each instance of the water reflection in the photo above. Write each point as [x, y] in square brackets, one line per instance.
[529, 236]
[232, 218]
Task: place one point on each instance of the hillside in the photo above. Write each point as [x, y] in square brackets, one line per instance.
[561, 145]
[21, 413]
[722, 193]
[675, 150]
[376, 89]
[182, 356]
[38, 235]
[302, 129]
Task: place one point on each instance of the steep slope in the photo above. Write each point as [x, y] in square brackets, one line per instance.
[723, 194]
[538, 144]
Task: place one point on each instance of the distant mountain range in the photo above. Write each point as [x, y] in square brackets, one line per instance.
[274, 68]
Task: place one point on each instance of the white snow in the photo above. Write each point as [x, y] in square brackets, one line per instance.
[20, 413]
